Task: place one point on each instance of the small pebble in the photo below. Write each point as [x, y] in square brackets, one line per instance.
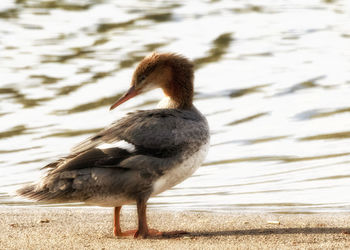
[44, 221]
[275, 222]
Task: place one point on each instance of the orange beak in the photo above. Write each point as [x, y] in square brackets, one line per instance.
[132, 92]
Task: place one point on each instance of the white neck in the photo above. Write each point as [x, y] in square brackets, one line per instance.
[166, 103]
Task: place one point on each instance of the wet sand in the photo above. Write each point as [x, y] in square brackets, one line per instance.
[91, 228]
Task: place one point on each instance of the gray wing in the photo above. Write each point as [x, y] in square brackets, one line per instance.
[153, 129]
[96, 173]
[79, 177]
[158, 135]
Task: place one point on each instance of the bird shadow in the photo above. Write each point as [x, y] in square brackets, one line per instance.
[265, 231]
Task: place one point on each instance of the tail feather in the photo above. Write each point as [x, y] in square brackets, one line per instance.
[27, 191]
[32, 192]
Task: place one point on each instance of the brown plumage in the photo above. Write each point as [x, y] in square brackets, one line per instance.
[172, 72]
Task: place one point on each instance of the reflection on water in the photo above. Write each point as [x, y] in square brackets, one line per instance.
[217, 51]
[271, 78]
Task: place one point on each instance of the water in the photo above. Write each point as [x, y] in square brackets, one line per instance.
[272, 78]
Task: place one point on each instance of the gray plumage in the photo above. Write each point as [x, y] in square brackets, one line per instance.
[163, 138]
[153, 129]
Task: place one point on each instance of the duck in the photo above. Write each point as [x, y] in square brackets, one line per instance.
[138, 156]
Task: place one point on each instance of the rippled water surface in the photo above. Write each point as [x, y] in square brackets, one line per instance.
[272, 78]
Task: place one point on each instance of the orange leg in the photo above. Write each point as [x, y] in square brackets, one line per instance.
[143, 231]
[117, 230]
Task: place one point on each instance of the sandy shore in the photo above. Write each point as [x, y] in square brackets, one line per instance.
[91, 228]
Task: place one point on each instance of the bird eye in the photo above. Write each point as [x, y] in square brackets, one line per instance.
[142, 78]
